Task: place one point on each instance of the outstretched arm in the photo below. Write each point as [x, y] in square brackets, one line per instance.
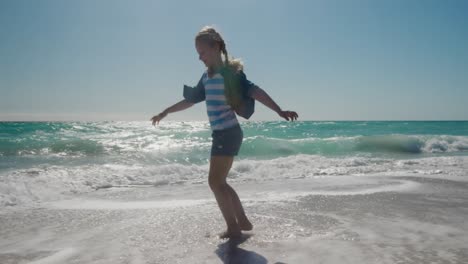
[184, 104]
[261, 96]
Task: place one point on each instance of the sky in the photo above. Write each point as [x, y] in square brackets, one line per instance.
[93, 60]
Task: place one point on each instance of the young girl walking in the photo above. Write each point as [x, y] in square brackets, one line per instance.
[226, 91]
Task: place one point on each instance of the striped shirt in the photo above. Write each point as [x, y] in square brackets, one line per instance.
[220, 113]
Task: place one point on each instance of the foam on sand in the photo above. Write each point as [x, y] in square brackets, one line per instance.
[58, 257]
[337, 220]
[123, 205]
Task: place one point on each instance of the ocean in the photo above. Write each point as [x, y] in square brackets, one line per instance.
[44, 160]
[327, 192]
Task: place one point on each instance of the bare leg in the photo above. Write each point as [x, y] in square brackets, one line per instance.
[219, 168]
[242, 219]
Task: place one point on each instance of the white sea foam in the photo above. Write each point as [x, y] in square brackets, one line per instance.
[116, 205]
[49, 183]
[446, 144]
[58, 257]
[349, 188]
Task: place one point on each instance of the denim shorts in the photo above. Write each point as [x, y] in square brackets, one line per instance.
[226, 142]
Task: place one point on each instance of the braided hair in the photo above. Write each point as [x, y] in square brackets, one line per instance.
[232, 66]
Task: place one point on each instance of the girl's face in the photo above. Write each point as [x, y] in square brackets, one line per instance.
[208, 54]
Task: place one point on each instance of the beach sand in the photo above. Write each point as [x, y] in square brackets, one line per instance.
[340, 219]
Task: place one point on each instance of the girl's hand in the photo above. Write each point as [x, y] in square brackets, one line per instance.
[158, 118]
[288, 115]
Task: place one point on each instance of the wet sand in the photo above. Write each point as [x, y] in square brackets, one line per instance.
[323, 220]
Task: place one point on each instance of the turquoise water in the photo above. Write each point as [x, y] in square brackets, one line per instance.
[42, 161]
[186, 142]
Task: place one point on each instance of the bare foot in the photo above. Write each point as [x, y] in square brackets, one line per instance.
[230, 234]
[245, 225]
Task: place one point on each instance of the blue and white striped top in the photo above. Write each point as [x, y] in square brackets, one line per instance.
[220, 113]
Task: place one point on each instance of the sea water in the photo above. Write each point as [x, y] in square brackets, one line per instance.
[43, 161]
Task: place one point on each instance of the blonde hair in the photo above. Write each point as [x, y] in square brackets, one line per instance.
[212, 37]
[209, 35]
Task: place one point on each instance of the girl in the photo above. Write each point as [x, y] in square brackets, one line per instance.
[226, 91]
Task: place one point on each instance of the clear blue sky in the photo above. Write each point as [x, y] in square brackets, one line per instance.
[327, 60]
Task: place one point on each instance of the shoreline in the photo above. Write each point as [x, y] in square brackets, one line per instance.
[352, 220]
